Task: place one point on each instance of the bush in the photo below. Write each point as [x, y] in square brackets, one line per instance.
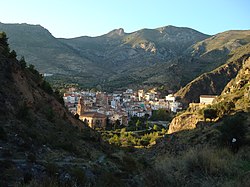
[12, 54]
[23, 62]
[233, 127]
[210, 113]
[46, 87]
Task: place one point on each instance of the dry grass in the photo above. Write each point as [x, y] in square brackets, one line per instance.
[201, 167]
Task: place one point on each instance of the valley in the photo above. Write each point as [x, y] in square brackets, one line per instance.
[136, 111]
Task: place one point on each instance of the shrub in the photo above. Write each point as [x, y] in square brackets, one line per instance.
[233, 127]
[46, 87]
[23, 62]
[12, 54]
[209, 113]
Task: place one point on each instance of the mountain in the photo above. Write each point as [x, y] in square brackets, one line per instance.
[47, 53]
[114, 60]
[168, 57]
[213, 82]
[41, 144]
[132, 56]
[232, 97]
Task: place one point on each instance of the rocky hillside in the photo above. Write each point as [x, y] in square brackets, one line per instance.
[234, 97]
[41, 144]
[212, 83]
[200, 152]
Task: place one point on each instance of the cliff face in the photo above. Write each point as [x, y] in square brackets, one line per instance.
[183, 122]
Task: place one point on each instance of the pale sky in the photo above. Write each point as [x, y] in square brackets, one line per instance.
[72, 18]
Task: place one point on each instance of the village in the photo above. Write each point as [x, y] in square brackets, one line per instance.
[96, 108]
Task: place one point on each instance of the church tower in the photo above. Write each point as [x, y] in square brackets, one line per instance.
[80, 106]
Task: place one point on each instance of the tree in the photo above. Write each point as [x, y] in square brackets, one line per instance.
[233, 127]
[160, 115]
[138, 124]
[23, 62]
[210, 113]
[155, 127]
[4, 43]
[3, 39]
[12, 54]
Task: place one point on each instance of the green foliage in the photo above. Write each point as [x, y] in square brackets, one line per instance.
[160, 115]
[155, 127]
[224, 108]
[3, 38]
[4, 43]
[115, 140]
[23, 62]
[138, 124]
[210, 113]
[12, 54]
[144, 141]
[130, 139]
[46, 87]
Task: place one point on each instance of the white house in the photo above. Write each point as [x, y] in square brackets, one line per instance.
[207, 99]
[170, 98]
[174, 106]
[149, 96]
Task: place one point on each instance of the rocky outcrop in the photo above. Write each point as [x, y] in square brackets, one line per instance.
[184, 121]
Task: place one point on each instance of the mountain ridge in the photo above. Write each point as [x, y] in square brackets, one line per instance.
[116, 60]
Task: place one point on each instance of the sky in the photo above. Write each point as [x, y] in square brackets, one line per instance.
[73, 18]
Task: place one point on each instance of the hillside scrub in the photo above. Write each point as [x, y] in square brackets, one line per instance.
[201, 167]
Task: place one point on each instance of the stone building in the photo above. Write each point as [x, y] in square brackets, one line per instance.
[93, 119]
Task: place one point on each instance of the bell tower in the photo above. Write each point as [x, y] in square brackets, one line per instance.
[80, 106]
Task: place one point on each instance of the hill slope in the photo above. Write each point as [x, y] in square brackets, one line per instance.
[214, 82]
[42, 144]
